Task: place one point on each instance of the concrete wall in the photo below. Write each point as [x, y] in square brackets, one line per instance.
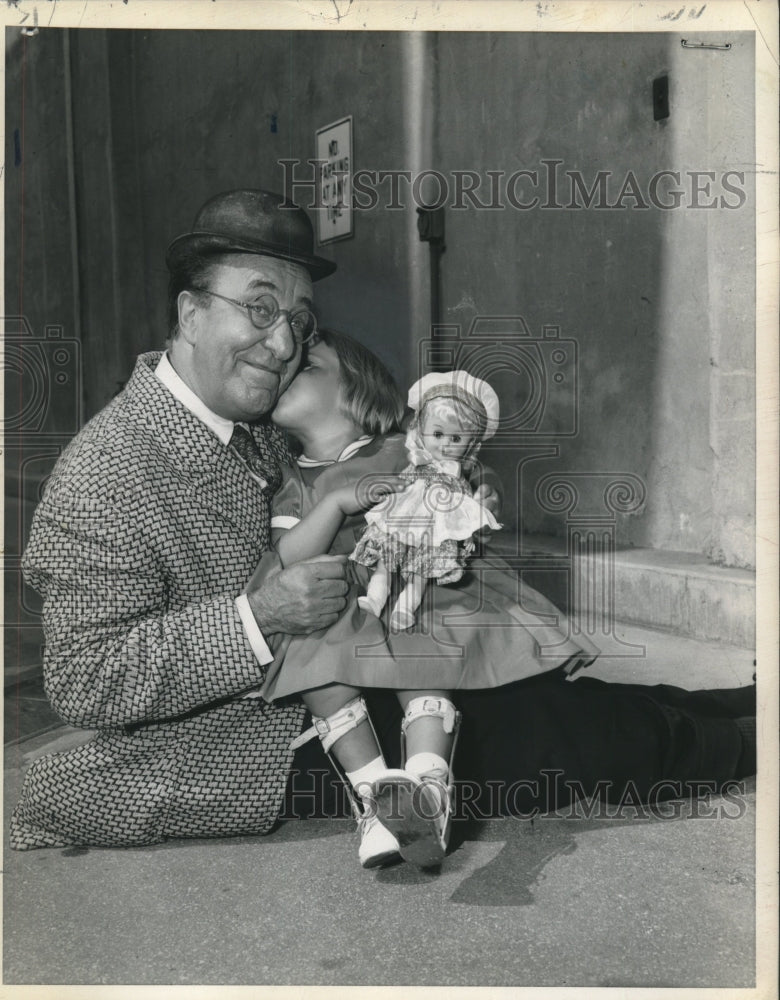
[715, 303]
[659, 302]
[40, 282]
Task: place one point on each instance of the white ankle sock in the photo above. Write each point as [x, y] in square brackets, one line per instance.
[427, 763]
[362, 779]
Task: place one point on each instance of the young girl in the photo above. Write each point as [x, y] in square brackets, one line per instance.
[485, 630]
[427, 531]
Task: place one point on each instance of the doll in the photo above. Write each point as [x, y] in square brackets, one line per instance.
[426, 532]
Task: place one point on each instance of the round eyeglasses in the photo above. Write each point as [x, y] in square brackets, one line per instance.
[265, 311]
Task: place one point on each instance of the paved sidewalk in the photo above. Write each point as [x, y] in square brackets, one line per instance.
[642, 901]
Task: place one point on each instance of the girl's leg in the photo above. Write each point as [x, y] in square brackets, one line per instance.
[348, 738]
[416, 803]
[377, 590]
[425, 734]
[409, 600]
[356, 746]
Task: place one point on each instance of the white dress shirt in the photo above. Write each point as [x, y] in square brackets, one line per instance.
[223, 428]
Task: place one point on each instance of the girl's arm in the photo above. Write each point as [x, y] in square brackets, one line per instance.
[314, 534]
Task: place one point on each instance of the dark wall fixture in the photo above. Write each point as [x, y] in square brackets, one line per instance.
[661, 97]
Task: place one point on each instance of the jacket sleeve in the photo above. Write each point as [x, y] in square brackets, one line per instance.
[117, 651]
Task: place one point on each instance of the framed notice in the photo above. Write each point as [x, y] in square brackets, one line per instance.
[334, 180]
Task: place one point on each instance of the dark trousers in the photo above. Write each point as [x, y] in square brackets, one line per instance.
[544, 742]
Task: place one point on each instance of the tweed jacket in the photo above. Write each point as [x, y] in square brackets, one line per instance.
[148, 530]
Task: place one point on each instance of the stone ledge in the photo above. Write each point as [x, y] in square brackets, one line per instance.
[678, 592]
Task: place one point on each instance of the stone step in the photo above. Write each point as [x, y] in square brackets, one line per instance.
[678, 592]
[635, 654]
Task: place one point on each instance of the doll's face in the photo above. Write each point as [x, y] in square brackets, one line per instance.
[444, 436]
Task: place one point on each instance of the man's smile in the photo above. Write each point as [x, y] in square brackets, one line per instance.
[274, 369]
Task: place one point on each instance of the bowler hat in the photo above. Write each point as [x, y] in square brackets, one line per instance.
[252, 222]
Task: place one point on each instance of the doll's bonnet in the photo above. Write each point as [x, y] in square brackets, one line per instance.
[460, 385]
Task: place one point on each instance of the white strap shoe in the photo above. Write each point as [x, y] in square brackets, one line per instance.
[417, 812]
[417, 808]
[378, 846]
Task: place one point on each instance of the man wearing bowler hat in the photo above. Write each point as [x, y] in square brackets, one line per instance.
[145, 547]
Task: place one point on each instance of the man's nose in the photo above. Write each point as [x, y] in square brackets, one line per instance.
[279, 338]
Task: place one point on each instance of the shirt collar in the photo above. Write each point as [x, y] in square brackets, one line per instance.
[352, 448]
[167, 374]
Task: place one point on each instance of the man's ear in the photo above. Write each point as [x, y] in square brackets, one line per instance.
[188, 316]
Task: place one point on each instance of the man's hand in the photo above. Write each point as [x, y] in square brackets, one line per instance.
[307, 596]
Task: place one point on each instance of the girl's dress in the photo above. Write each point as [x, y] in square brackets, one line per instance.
[428, 528]
[487, 629]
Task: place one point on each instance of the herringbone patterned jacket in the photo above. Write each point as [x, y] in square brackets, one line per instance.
[147, 532]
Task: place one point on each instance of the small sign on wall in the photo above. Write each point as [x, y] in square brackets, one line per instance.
[334, 179]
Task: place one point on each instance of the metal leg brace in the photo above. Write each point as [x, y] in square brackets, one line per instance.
[441, 708]
[330, 730]
[378, 845]
[418, 810]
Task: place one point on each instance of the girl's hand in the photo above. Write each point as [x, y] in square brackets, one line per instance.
[489, 498]
[368, 491]
[491, 501]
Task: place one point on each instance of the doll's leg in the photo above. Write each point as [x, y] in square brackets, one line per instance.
[348, 738]
[409, 600]
[377, 590]
[416, 803]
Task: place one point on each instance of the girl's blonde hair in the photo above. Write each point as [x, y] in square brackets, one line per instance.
[371, 397]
